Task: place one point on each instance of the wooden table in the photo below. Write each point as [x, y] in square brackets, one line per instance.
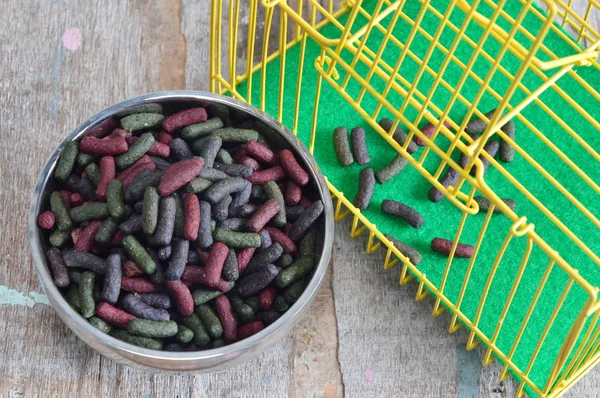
[365, 336]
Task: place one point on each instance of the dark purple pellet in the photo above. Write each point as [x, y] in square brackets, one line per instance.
[407, 213]
[449, 179]
[359, 146]
[306, 220]
[233, 223]
[230, 267]
[209, 149]
[180, 149]
[246, 210]
[60, 273]
[240, 199]
[137, 307]
[268, 317]
[132, 225]
[88, 261]
[112, 279]
[81, 185]
[136, 188]
[257, 192]
[252, 284]
[212, 174]
[138, 207]
[158, 277]
[164, 253]
[234, 170]
[166, 221]
[265, 257]
[224, 187]
[220, 210]
[365, 189]
[265, 239]
[491, 147]
[193, 257]
[161, 164]
[181, 248]
[156, 300]
[205, 238]
[293, 212]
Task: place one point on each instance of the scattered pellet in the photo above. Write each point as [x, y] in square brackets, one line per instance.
[365, 189]
[407, 213]
[507, 151]
[413, 255]
[359, 146]
[484, 204]
[444, 246]
[399, 135]
[449, 179]
[342, 146]
[392, 169]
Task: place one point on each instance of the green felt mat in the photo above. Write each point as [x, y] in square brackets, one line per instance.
[441, 219]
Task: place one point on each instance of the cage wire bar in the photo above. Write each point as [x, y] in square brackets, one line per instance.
[239, 50]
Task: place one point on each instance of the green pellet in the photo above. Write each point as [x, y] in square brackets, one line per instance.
[92, 172]
[150, 210]
[507, 151]
[342, 146]
[115, 200]
[253, 303]
[195, 131]
[294, 272]
[73, 297]
[193, 322]
[144, 342]
[293, 293]
[59, 238]
[285, 260]
[184, 334]
[64, 168]
[237, 239]
[100, 324]
[224, 157]
[152, 329]
[178, 230]
[307, 244]
[203, 295]
[140, 121]
[75, 277]
[89, 212]
[210, 320]
[142, 108]
[391, 170]
[273, 192]
[86, 294]
[61, 214]
[218, 343]
[230, 134]
[198, 185]
[413, 255]
[138, 254]
[244, 311]
[83, 159]
[484, 204]
[280, 304]
[107, 230]
[136, 151]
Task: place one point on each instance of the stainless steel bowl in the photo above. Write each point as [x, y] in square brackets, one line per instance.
[180, 361]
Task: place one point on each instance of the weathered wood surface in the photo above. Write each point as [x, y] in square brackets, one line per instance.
[363, 337]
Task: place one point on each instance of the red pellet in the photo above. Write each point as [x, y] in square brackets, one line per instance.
[260, 152]
[157, 149]
[305, 202]
[286, 228]
[191, 216]
[76, 199]
[278, 236]
[238, 155]
[138, 285]
[250, 162]
[214, 263]
[46, 219]
[261, 177]
[225, 314]
[127, 175]
[428, 131]
[75, 233]
[196, 274]
[293, 193]
[183, 296]
[292, 168]
[165, 137]
[250, 329]
[266, 298]
[444, 246]
[119, 133]
[263, 215]
[87, 237]
[243, 258]
[202, 254]
[178, 174]
[113, 315]
[106, 146]
[107, 174]
[103, 128]
[184, 118]
[117, 239]
[132, 270]
[67, 198]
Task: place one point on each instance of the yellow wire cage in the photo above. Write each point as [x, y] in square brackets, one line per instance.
[244, 41]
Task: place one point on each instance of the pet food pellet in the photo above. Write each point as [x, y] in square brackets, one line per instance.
[76, 199]
[342, 146]
[278, 236]
[233, 224]
[280, 305]
[230, 267]
[228, 322]
[444, 246]
[252, 284]
[294, 272]
[132, 225]
[359, 146]
[72, 297]
[157, 149]
[166, 221]
[428, 131]
[142, 108]
[250, 329]
[157, 300]
[260, 177]
[133, 305]
[210, 320]
[66, 195]
[491, 147]
[244, 311]
[144, 342]
[178, 174]
[150, 210]
[243, 258]
[224, 157]
[191, 220]
[484, 204]
[285, 260]
[250, 162]
[135, 151]
[113, 315]
[138, 285]
[268, 317]
[399, 135]
[212, 174]
[293, 293]
[293, 193]
[87, 237]
[127, 175]
[214, 264]
[234, 170]
[507, 151]
[198, 185]
[184, 334]
[86, 294]
[449, 179]
[180, 149]
[114, 199]
[107, 174]
[165, 137]
[230, 134]
[266, 298]
[220, 210]
[264, 258]
[391, 170]
[306, 220]
[107, 230]
[273, 192]
[413, 255]
[194, 323]
[477, 126]
[137, 187]
[59, 238]
[263, 215]
[183, 296]
[179, 216]
[260, 152]
[293, 212]
[100, 324]
[81, 185]
[253, 303]
[365, 189]
[138, 254]
[131, 269]
[178, 259]
[224, 187]
[66, 161]
[407, 213]
[203, 295]
[92, 173]
[307, 244]
[60, 272]
[205, 238]
[140, 121]
[160, 163]
[83, 159]
[88, 261]
[258, 192]
[46, 219]
[208, 149]
[237, 239]
[184, 118]
[198, 130]
[265, 239]
[246, 210]
[103, 128]
[292, 168]
[152, 329]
